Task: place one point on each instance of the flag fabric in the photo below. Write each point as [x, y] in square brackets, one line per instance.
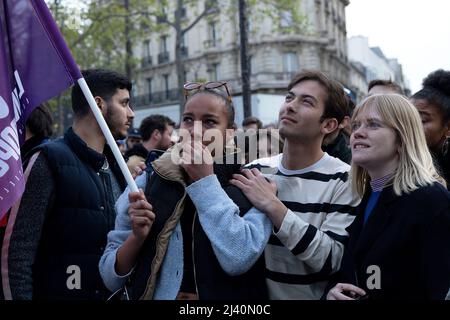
[35, 65]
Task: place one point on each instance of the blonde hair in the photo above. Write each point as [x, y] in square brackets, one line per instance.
[415, 167]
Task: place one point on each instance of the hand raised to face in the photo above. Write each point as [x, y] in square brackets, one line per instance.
[196, 160]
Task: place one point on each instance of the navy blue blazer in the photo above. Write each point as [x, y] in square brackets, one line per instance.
[408, 238]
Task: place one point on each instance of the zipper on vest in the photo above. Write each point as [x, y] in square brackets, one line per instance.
[105, 208]
[146, 295]
[149, 295]
[356, 279]
[193, 255]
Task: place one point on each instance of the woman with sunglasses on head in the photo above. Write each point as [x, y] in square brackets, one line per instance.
[433, 103]
[399, 245]
[200, 238]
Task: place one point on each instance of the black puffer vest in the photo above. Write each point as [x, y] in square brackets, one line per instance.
[75, 230]
[167, 197]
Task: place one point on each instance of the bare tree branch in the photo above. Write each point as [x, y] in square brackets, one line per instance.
[204, 13]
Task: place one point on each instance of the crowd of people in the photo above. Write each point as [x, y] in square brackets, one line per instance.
[339, 201]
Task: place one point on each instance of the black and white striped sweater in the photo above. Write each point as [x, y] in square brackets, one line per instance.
[307, 249]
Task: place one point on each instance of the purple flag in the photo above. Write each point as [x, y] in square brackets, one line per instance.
[35, 65]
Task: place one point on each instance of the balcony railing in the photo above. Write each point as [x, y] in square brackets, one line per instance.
[155, 98]
[163, 57]
[146, 61]
[162, 18]
[211, 43]
[183, 12]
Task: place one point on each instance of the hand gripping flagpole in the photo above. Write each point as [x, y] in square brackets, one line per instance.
[107, 133]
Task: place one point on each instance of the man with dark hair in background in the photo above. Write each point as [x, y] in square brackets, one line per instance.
[252, 123]
[56, 237]
[336, 143]
[39, 129]
[156, 132]
[379, 86]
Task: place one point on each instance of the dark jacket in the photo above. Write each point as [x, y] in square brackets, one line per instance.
[166, 192]
[408, 238]
[137, 150]
[26, 149]
[339, 148]
[25, 154]
[74, 231]
[442, 163]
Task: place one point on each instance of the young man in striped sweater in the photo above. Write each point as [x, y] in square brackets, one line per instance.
[315, 202]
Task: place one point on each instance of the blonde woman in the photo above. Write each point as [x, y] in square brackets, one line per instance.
[399, 246]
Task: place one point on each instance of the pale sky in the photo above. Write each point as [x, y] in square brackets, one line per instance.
[416, 32]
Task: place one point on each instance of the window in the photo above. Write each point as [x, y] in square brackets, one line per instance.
[250, 26]
[146, 54]
[162, 7]
[184, 49]
[214, 72]
[212, 33]
[163, 55]
[251, 64]
[290, 62]
[166, 85]
[163, 44]
[162, 14]
[149, 88]
[286, 19]
[183, 12]
[146, 49]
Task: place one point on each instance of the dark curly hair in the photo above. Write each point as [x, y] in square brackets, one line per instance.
[436, 90]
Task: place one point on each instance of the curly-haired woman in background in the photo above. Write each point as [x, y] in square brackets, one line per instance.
[433, 103]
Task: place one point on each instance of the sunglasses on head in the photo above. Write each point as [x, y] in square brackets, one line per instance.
[196, 86]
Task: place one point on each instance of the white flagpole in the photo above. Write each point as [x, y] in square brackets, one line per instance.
[107, 133]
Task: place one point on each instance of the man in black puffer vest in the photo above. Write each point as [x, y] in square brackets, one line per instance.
[58, 234]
